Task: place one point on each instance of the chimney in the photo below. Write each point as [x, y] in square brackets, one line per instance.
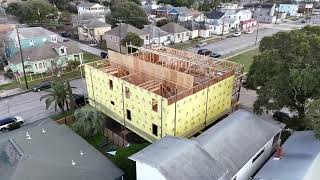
[279, 153]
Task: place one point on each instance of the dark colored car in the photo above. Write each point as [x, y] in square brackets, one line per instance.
[66, 40]
[80, 100]
[204, 52]
[104, 55]
[65, 34]
[281, 116]
[7, 121]
[215, 55]
[43, 85]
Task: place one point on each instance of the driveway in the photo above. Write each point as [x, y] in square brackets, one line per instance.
[29, 106]
[233, 44]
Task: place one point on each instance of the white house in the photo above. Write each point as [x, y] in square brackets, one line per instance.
[233, 149]
[197, 29]
[93, 31]
[185, 14]
[91, 8]
[157, 35]
[178, 32]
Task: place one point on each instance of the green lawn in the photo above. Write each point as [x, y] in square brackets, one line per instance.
[245, 58]
[187, 44]
[88, 57]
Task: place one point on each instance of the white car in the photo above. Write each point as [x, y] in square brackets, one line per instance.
[5, 122]
[249, 32]
[236, 34]
[202, 44]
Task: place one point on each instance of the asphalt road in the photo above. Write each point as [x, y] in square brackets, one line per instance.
[29, 106]
[233, 44]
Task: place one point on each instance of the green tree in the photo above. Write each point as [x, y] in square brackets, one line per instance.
[88, 121]
[286, 73]
[162, 22]
[128, 12]
[56, 96]
[60, 4]
[187, 3]
[33, 11]
[132, 38]
[313, 116]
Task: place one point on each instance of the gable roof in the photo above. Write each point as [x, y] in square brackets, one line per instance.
[166, 8]
[185, 11]
[125, 29]
[88, 4]
[30, 32]
[155, 31]
[229, 145]
[192, 25]
[95, 24]
[215, 15]
[49, 156]
[299, 161]
[46, 51]
[173, 28]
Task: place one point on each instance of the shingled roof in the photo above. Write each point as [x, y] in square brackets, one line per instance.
[219, 153]
[173, 28]
[125, 29]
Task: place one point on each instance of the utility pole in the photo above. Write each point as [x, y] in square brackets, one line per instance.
[22, 60]
[120, 21]
[222, 27]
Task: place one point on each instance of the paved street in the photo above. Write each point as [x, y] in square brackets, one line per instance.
[232, 44]
[29, 106]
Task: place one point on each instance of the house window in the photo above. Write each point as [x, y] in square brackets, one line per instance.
[275, 139]
[178, 35]
[127, 90]
[258, 155]
[76, 57]
[44, 65]
[128, 114]
[154, 129]
[62, 51]
[31, 42]
[36, 65]
[147, 37]
[40, 65]
[112, 102]
[44, 39]
[110, 84]
[154, 105]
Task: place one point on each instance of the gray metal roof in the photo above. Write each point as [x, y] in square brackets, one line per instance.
[177, 158]
[155, 31]
[237, 138]
[228, 145]
[300, 160]
[30, 32]
[49, 155]
[125, 29]
[46, 51]
[173, 28]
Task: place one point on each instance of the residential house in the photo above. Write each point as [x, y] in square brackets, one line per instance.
[78, 20]
[93, 31]
[29, 37]
[51, 152]
[157, 35]
[178, 32]
[91, 8]
[244, 17]
[149, 6]
[233, 149]
[290, 9]
[197, 29]
[265, 13]
[305, 7]
[298, 159]
[41, 59]
[216, 21]
[115, 35]
[159, 91]
[163, 11]
[182, 14]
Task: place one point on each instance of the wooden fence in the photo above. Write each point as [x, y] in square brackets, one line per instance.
[69, 120]
[115, 138]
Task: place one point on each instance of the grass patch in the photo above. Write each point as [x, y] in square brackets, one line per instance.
[187, 44]
[12, 85]
[245, 58]
[88, 57]
[96, 140]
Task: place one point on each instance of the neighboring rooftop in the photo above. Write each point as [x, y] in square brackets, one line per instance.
[215, 15]
[125, 29]
[219, 153]
[155, 31]
[300, 161]
[192, 25]
[173, 28]
[88, 16]
[87, 4]
[46, 51]
[186, 11]
[57, 153]
[30, 32]
[95, 24]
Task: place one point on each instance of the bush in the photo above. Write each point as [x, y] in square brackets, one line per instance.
[73, 64]
[162, 22]
[14, 126]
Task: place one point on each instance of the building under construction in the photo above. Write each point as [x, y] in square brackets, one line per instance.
[163, 91]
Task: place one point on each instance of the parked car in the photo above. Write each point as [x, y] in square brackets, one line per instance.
[249, 31]
[202, 44]
[281, 116]
[303, 21]
[43, 85]
[66, 40]
[80, 100]
[214, 55]
[236, 34]
[65, 34]
[204, 52]
[7, 121]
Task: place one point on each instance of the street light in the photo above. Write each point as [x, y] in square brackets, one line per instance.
[22, 60]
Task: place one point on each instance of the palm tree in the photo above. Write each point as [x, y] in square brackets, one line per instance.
[57, 96]
[88, 121]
